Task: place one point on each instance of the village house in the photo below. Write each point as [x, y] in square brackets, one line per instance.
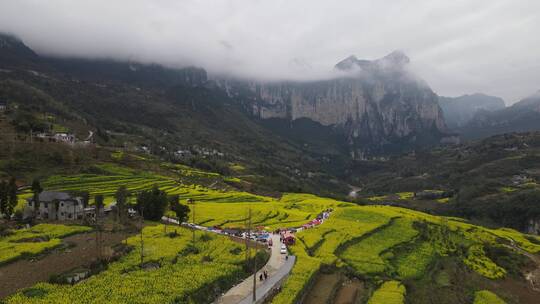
[55, 206]
[520, 180]
[3, 106]
[57, 137]
[64, 137]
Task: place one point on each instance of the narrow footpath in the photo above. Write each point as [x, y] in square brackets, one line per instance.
[278, 267]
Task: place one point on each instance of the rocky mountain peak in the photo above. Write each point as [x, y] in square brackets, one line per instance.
[14, 53]
[9, 41]
[347, 63]
[395, 60]
[398, 58]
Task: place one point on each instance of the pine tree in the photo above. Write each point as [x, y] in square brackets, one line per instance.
[122, 195]
[3, 197]
[11, 196]
[98, 200]
[36, 189]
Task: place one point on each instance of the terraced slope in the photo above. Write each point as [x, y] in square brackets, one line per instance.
[183, 276]
[377, 242]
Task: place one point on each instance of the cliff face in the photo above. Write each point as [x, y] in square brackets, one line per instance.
[374, 103]
[458, 111]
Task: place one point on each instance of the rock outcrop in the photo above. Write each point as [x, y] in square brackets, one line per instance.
[375, 103]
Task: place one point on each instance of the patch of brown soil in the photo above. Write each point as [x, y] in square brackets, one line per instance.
[26, 273]
[323, 289]
[518, 290]
[351, 291]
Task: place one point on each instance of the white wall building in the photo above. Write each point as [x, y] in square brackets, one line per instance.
[55, 206]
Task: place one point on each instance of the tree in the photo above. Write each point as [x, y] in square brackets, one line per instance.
[12, 196]
[36, 190]
[3, 197]
[98, 200]
[56, 204]
[99, 204]
[181, 211]
[153, 202]
[85, 198]
[122, 196]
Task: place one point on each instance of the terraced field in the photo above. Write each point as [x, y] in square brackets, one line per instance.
[32, 241]
[182, 277]
[111, 176]
[391, 292]
[393, 242]
[372, 242]
[366, 257]
[291, 210]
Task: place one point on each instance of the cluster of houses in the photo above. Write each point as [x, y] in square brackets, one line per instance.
[205, 152]
[520, 179]
[57, 137]
[184, 153]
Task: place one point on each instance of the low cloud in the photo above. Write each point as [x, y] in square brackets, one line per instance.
[457, 46]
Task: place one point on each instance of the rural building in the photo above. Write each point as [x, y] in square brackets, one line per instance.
[55, 206]
[64, 137]
[57, 137]
[520, 180]
[3, 106]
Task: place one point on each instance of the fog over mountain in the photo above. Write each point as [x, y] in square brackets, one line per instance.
[458, 47]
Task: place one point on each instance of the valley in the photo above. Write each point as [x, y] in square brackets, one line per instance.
[189, 175]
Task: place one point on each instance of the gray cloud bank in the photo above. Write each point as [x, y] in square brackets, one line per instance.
[458, 47]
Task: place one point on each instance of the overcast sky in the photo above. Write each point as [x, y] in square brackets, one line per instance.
[458, 46]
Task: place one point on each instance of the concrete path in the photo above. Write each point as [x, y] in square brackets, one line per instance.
[277, 267]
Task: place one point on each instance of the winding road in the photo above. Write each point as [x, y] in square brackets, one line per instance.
[277, 267]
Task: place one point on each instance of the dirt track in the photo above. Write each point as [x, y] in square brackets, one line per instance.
[25, 273]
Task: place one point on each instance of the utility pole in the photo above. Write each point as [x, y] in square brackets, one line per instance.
[142, 241]
[254, 261]
[246, 236]
[192, 203]
[98, 249]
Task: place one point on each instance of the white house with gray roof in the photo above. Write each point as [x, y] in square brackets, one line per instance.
[55, 206]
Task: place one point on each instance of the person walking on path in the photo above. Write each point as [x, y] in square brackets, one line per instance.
[261, 277]
[265, 275]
